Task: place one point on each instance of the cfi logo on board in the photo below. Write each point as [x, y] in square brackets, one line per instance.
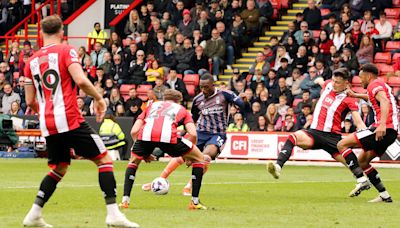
[239, 145]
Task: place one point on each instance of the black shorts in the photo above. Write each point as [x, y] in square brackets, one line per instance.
[366, 140]
[142, 149]
[324, 140]
[83, 140]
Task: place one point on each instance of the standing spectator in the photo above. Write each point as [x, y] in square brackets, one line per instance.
[159, 88]
[173, 82]
[134, 26]
[312, 15]
[337, 36]
[97, 54]
[183, 55]
[239, 125]
[97, 35]
[239, 35]
[251, 16]
[227, 37]
[15, 13]
[119, 71]
[366, 52]
[313, 83]
[215, 51]
[199, 63]
[8, 98]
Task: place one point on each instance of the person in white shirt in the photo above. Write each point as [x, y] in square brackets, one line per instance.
[385, 30]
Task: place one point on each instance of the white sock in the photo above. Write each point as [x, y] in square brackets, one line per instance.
[188, 185]
[384, 194]
[112, 209]
[35, 211]
[361, 179]
[195, 200]
[126, 199]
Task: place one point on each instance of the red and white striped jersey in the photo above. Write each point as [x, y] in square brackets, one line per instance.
[373, 88]
[331, 110]
[55, 89]
[161, 120]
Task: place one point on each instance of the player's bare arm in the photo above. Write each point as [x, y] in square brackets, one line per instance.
[30, 95]
[136, 128]
[100, 107]
[384, 104]
[351, 93]
[358, 121]
[192, 134]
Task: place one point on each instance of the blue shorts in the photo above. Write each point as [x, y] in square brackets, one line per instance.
[205, 138]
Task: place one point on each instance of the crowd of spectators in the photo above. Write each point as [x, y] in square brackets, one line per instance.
[163, 41]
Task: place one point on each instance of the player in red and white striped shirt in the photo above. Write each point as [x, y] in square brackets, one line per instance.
[53, 75]
[157, 127]
[331, 109]
[378, 137]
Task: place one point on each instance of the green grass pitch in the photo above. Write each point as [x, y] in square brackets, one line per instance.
[237, 196]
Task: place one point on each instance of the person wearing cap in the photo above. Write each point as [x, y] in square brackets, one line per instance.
[187, 25]
[251, 16]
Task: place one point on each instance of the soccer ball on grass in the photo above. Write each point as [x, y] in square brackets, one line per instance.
[160, 186]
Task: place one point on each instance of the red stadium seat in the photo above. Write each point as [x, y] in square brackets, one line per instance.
[384, 69]
[276, 4]
[396, 3]
[285, 4]
[356, 82]
[191, 90]
[179, 76]
[324, 22]
[384, 78]
[383, 57]
[275, 15]
[296, 102]
[392, 13]
[394, 81]
[142, 91]
[124, 90]
[325, 12]
[396, 57]
[392, 45]
[393, 22]
[316, 33]
[191, 79]
[144, 98]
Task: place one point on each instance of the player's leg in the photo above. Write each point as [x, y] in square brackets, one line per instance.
[198, 164]
[59, 159]
[129, 180]
[299, 138]
[344, 147]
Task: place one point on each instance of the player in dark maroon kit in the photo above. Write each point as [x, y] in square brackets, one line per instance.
[53, 75]
[379, 136]
[157, 127]
[324, 133]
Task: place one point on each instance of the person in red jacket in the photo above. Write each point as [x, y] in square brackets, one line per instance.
[324, 43]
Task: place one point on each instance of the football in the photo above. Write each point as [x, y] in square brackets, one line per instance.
[160, 186]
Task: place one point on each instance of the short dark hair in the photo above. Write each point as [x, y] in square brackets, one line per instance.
[96, 23]
[207, 76]
[370, 68]
[306, 91]
[284, 60]
[273, 38]
[342, 72]
[51, 24]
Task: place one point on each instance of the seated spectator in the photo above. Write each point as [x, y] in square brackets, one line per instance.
[385, 30]
[13, 57]
[83, 109]
[299, 17]
[396, 32]
[90, 69]
[215, 50]
[107, 63]
[259, 88]
[97, 54]
[248, 99]
[198, 39]
[261, 124]
[8, 98]
[133, 111]
[232, 111]
[367, 18]
[348, 127]
[165, 21]
[288, 124]
[366, 52]
[22, 66]
[301, 60]
[151, 97]
[187, 25]
[271, 82]
[312, 15]
[322, 70]
[120, 111]
[292, 47]
[239, 125]
[119, 71]
[137, 69]
[264, 101]
[130, 53]
[285, 70]
[367, 115]
[168, 58]
[252, 117]
[280, 54]
[198, 63]
[350, 61]
[274, 43]
[146, 44]
[308, 123]
[82, 55]
[183, 55]
[115, 99]
[251, 16]
[300, 33]
[259, 64]
[347, 23]
[173, 82]
[258, 78]
[116, 49]
[16, 109]
[371, 30]
[282, 90]
[314, 56]
[337, 36]
[20, 90]
[227, 37]
[154, 72]
[336, 62]
[294, 83]
[97, 35]
[290, 32]
[308, 42]
[159, 88]
[5, 70]
[313, 83]
[115, 38]
[349, 43]
[269, 55]
[331, 22]
[272, 116]
[306, 100]
[301, 119]
[134, 26]
[204, 25]
[282, 106]
[155, 27]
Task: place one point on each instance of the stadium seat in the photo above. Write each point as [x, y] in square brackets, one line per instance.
[384, 69]
[285, 4]
[394, 81]
[144, 98]
[383, 57]
[384, 78]
[316, 33]
[396, 3]
[324, 22]
[124, 89]
[393, 22]
[142, 91]
[276, 4]
[392, 13]
[325, 12]
[392, 45]
[296, 102]
[191, 79]
[179, 76]
[191, 90]
[356, 82]
[395, 57]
